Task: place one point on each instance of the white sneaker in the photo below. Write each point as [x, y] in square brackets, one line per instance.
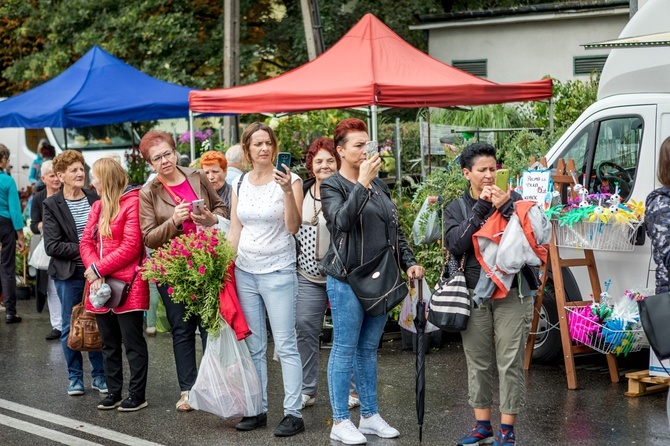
[347, 433]
[308, 400]
[353, 402]
[375, 425]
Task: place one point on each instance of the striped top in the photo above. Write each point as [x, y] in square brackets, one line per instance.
[79, 210]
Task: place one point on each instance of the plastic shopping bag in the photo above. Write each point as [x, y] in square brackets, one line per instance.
[39, 258]
[432, 231]
[408, 309]
[227, 384]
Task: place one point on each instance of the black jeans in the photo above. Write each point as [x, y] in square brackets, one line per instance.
[126, 328]
[8, 264]
[183, 340]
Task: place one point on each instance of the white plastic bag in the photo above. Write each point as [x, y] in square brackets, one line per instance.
[39, 258]
[408, 309]
[432, 231]
[227, 384]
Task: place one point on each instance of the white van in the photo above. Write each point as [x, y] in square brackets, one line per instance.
[94, 142]
[617, 139]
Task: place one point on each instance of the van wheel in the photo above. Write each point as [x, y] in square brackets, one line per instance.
[548, 348]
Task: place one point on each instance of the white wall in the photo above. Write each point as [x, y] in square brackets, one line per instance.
[526, 50]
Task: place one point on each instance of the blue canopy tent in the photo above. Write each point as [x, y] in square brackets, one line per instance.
[98, 89]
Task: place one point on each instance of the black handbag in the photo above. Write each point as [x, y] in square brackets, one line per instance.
[449, 306]
[655, 319]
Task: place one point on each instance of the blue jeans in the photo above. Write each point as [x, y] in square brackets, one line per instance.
[70, 292]
[356, 338]
[276, 293]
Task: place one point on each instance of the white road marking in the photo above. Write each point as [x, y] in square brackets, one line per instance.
[43, 432]
[72, 424]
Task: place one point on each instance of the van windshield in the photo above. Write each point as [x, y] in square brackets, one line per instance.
[98, 137]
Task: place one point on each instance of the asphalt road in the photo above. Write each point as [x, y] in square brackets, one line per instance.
[35, 409]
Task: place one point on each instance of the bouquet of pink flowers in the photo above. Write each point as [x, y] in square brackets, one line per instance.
[194, 268]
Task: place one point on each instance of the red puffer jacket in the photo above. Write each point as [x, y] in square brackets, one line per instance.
[119, 254]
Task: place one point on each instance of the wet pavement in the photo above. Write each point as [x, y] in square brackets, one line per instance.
[35, 409]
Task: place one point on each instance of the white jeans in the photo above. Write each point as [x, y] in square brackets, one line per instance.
[54, 305]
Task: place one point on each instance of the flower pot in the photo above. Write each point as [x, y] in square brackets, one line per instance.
[23, 292]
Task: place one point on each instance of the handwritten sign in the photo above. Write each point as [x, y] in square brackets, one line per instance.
[536, 184]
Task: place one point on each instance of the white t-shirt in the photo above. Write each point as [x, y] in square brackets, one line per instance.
[265, 244]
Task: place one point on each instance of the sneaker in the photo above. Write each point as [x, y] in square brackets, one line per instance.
[308, 400]
[151, 331]
[375, 425]
[289, 426]
[504, 437]
[479, 435]
[251, 423]
[347, 433]
[111, 401]
[12, 319]
[53, 335]
[76, 387]
[99, 384]
[132, 403]
[354, 402]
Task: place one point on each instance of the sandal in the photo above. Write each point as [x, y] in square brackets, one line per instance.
[182, 404]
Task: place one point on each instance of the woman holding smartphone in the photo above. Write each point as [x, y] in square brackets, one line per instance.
[507, 320]
[265, 213]
[165, 213]
[358, 207]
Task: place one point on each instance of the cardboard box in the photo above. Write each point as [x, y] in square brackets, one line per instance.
[655, 368]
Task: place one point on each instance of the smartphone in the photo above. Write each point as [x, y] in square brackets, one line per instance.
[197, 206]
[371, 147]
[502, 179]
[283, 158]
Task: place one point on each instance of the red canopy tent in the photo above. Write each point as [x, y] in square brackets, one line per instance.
[370, 66]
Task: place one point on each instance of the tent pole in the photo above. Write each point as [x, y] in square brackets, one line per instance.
[373, 111]
[190, 125]
[398, 164]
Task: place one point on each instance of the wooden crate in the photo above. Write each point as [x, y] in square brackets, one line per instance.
[640, 383]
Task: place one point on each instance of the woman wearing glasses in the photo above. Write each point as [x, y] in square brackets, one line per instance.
[165, 213]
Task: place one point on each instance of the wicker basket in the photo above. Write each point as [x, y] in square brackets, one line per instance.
[603, 339]
[596, 235]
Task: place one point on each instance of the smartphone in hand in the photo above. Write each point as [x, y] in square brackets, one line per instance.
[502, 179]
[197, 206]
[371, 147]
[283, 158]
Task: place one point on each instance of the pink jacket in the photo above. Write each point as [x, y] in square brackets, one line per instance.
[117, 256]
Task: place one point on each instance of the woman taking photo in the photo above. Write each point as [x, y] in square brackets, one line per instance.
[321, 162]
[506, 319]
[65, 215]
[165, 213]
[45, 283]
[265, 212]
[357, 206]
[109, 248]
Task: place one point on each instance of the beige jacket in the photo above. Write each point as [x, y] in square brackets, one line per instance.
[157, 207]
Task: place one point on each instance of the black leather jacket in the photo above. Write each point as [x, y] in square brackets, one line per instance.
[342, 203]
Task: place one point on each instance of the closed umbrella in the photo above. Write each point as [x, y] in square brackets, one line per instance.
[420, 324]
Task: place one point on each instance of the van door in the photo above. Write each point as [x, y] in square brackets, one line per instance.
[615, 150]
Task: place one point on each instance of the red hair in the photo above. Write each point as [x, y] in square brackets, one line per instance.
[153, 138]
[213, 157]
[346, 126]
[320, 144]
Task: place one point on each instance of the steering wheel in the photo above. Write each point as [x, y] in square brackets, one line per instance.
[619, 175]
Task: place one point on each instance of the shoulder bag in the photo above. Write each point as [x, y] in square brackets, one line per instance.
[378, 283]
[449, 306]
[84, 335]
[654, 315]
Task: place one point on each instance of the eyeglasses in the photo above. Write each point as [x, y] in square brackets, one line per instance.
[158, 158]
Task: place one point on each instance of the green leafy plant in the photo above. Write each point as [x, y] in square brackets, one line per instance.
[136, 167]
[194, 267]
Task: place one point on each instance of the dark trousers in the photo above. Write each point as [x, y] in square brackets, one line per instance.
[8, 264]
[126, 329]
[183, 340]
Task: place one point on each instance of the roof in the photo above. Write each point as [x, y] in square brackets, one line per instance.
[369, 65]
[97, 89]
